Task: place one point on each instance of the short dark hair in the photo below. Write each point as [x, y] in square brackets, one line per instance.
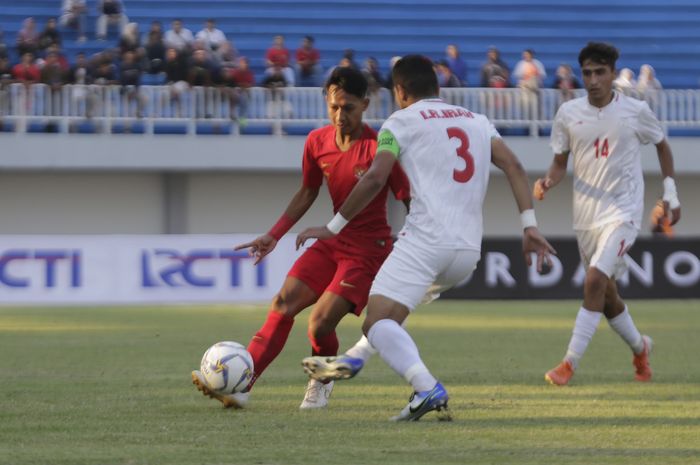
[416, 75]
[350, 80]
[599, 52]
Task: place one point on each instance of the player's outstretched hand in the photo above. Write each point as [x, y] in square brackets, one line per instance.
[542, 185]
[533, 241]
[259, 247]
[318, 232]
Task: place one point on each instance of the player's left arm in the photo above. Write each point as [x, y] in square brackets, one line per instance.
[533, 241]
[670, 198]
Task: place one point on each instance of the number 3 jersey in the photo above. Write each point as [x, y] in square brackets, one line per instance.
[445, 152]
[606, 148]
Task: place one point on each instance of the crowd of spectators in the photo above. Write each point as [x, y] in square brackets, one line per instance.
[180, 59]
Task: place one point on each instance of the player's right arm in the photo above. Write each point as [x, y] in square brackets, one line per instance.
[533, 241]
[298, 206]
[555, 173]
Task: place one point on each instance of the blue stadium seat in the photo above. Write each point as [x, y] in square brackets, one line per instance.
[169, 128]
[213, 129]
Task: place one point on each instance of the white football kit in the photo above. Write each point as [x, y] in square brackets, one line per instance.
[445, 151]
[605, 144]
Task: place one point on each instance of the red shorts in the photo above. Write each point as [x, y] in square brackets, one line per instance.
[333, 266]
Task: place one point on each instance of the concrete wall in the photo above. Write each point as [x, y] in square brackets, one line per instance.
[75, 184]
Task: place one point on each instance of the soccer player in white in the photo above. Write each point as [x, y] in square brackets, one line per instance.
[446, 152]
[604, 131]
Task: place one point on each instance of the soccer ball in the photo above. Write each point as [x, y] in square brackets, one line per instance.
[227, 367]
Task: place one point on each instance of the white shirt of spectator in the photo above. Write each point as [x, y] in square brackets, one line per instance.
[437, 141]
[606, 147]
[177, 40]
[212, 39]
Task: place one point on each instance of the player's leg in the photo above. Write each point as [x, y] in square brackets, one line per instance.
[400, 286]
[269, 341]
[591, 244]
[325, 316]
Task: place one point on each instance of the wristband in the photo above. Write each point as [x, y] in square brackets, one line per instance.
[527, 218]
[282, 227]
[670, 193]
[337, 223]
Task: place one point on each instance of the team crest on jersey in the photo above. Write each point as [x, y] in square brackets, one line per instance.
[360, 171]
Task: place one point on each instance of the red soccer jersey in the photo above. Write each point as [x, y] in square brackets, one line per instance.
[342, 170]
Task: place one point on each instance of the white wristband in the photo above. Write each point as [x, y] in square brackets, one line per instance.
[527, 218]
[670, 193]
[337, 223]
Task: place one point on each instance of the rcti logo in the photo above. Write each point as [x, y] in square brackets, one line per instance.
[23, 267]
[198, 268]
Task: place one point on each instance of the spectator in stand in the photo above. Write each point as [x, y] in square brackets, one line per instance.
[154, 49]
[456, 64]
[179, 37]
[625, 81]
[494, 72]
[60, 57]
[110, 12]
[52, 73]
[647, 81]
[211, 37]
[446, 78]
[104, 70]
[275, 80]
[27, 38]
[73, 14]
[26, 71]
[349, 55]
[5, 68]
[130, 80]
[176, 78]
[277, 56]
[244, 79]
[226, 56]
[130, 40]
[308, 57]
[529, 72]
[566, 82]
[375, 81]
[81, 77]
[201, 70]
[50, 35]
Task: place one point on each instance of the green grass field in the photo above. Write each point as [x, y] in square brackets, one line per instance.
[112, 386]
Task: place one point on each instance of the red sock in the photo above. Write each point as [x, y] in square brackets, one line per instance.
[324, 345]
[268, 342]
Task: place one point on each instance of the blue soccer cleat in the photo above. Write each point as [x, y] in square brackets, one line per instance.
[423, 402]
[332, 368]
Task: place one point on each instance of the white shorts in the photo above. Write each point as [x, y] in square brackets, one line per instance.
[416, 273]
[605, 248]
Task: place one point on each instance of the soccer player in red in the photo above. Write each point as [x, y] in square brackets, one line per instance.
[335, 275]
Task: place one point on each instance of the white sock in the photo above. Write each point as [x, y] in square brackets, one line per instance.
[398, 350]
[362, 349]
[623, 325]
[584, 329]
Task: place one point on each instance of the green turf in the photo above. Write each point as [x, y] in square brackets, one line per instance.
[111, 386]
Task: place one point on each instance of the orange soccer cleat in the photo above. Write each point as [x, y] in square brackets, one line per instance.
[642, 370]
[561, 374]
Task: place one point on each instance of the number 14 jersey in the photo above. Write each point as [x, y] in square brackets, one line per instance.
[605, 144]
[445, 151]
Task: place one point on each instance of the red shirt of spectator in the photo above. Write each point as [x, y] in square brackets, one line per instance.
[242, 75]
[26, 71]
[277, 54]
[307, 56]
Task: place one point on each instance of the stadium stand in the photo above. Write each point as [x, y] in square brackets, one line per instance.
[647, 31]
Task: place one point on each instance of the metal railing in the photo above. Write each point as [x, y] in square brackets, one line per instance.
[66, 107]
